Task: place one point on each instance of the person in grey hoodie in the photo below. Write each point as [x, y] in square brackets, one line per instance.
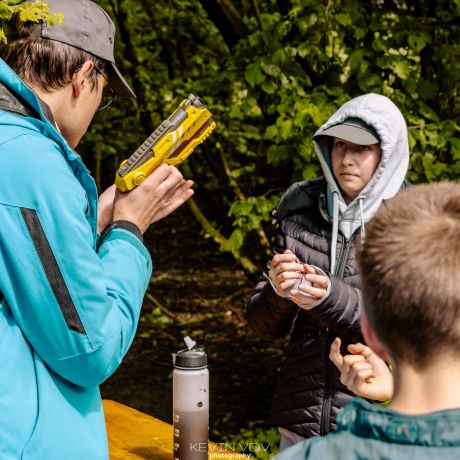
[311, 286]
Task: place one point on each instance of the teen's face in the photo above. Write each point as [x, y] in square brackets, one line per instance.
[353, 166]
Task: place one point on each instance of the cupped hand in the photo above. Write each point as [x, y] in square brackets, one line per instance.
[309, 293]
[363, 371]
[162, 192]
[285, 271]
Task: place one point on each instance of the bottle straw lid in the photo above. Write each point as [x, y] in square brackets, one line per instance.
[191, 358]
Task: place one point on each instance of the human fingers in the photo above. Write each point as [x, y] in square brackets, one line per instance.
[309, 269]
[334, 353]
[354, 374]
[350, 360]
[360, 349]
[285, 284]
[180, 196]
[302, 300]
[177, 188]
[283, 272]
[320, 281]
[173, 180]
[280, 258]
[312, 291]
[152, 192]
[158, 176]
[287, 275]
[379, 366]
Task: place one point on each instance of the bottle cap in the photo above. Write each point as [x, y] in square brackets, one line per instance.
[190, 359]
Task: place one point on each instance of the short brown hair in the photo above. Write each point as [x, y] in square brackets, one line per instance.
[410, 266]
[49, 64]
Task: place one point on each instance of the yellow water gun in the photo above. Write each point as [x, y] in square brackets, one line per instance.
[172, 142]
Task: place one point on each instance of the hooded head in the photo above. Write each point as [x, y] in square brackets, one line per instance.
[368, 120]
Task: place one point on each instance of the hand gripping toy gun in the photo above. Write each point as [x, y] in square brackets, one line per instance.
[172, 142]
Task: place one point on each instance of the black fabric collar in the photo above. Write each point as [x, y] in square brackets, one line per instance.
[13, 103]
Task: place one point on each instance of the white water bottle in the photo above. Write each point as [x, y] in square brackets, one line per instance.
[190, 403]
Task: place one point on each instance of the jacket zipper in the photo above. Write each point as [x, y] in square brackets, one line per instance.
[326, 410]
[325, 413]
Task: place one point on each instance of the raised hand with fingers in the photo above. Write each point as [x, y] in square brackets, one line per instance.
[363, 371]
[285, 271]
[158, 196]
[311, 291]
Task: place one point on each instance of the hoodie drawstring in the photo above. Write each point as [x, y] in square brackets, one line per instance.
[335, 226]
[361, 211]
[335, 229]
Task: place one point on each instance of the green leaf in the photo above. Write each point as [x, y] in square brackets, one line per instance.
[285, 128]
[253, 75]
[401, 68]
[269, 87]
[236, 240]
[427, 89]
[310, 171]
[271, 69]
[418, 40]
[271, 132]
[279, 56]
[428, 112]
[343, 19]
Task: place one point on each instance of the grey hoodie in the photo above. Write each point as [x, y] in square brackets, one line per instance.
[378, 111]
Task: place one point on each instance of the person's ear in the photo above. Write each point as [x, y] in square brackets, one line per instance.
[371, 339]
[80, 79]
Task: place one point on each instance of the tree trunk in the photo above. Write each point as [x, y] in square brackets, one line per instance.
[227, 20]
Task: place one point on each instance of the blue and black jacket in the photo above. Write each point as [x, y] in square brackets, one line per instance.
[68, 311]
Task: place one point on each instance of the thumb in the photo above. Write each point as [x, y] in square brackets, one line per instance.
[335, 356]
[360, 349]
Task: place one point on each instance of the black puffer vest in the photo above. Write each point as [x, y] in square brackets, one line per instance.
[309, 392]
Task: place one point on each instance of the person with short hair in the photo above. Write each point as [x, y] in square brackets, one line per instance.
[410, 265]
[311, 287]
[73, 267]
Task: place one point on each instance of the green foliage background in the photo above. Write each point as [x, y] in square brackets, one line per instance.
[272, 72]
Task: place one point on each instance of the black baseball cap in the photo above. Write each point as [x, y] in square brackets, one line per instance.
[353, 130]
[88, 27]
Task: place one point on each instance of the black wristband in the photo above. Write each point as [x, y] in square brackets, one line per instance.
[124, 225]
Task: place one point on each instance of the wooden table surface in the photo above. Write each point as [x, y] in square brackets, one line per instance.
[134, 435]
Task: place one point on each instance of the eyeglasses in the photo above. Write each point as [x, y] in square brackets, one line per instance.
[108, 94]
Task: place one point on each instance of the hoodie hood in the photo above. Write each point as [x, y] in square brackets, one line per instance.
[383, 115]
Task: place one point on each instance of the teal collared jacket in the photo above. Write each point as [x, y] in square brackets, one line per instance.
[369, 432]
[68, 312]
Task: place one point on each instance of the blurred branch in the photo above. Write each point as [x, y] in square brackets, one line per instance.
[226, 18]
[255, 7]
[159, 305]
[240, 195]
[220, 239]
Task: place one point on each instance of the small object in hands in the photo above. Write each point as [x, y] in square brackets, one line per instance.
[172, 142]
[300, 282]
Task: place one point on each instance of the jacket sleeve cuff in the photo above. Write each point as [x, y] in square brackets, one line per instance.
[120, 224]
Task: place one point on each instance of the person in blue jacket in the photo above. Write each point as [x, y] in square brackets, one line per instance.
[71, 283]
[410, 265]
